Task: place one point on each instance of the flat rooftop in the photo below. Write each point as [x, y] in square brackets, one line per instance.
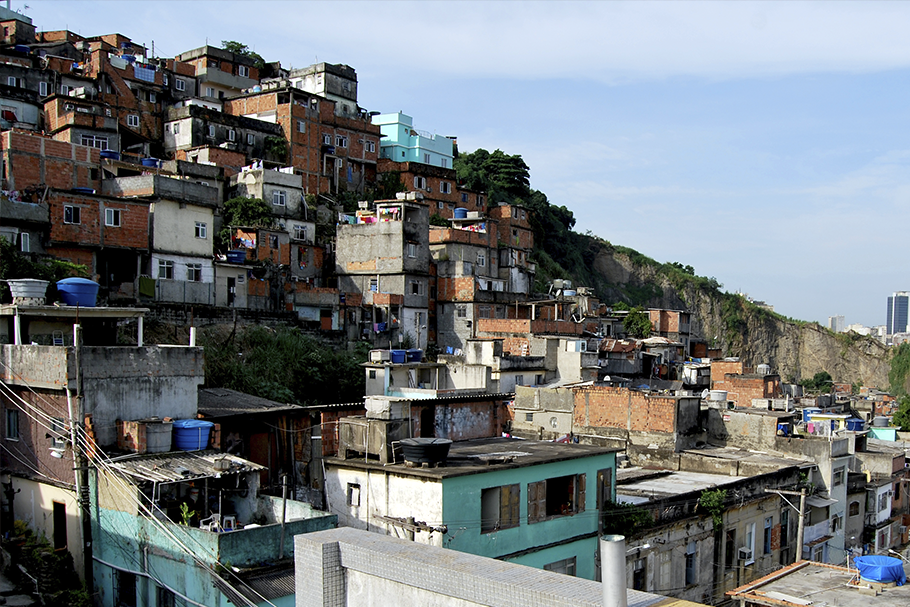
[810, 583]
[640, 486]
[482, 455]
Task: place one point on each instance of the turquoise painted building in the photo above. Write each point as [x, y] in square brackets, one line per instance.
[401, 142]
[144, 554]
[529, 502]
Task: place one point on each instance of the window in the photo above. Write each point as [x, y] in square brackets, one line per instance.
[59, 525]
[126, 589]
[300, 232]
[519, 380]
[42, 89]
[854, 509]
[374, 285]
[461, 311]
[152, 97]
[165, 269]
[553, 497]
[484, 311]
[837, 523]
[769, 523]
[273, 241]
[838, 476]
[444, 163]
[481, 260]
[529, 417]
[426, 158]
[412, 249]
[279, 198]
[112, 218]
[12, 424]
[565, 566]
[164, 79]
[690, 564]
[232, 134]
[132, 120]
[341, 141]
[94, 141]
[371, 146]
[194, 272]
[201, 230]
[64, 89]
[176, 128]
[750, 543]
[211, 130]
[243, 70]
[179, 84]
[11, 80]
[416, 287]
[301, 126]
[24, 242]
[166, 598]
[372, 373]
[353, 495]
[499, 508]
[883, 501]
[58, 433]
[250, 139]
[420, 182]
[730, 549]
[209, 91]
[464, 197]
[445, 187]
[326, 139]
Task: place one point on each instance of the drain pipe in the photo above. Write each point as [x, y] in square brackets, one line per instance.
[613, 570]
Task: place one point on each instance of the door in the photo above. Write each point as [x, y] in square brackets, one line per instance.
[231, 291]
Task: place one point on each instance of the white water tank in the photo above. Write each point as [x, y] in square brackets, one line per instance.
[717, 396]
[763, 369]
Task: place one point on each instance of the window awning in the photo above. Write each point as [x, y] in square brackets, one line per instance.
[819, 502]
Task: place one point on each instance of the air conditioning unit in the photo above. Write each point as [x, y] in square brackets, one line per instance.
[745, 554]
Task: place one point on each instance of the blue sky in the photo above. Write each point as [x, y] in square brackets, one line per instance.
[764, 143]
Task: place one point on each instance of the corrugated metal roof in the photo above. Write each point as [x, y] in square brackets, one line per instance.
[221, 402]
[181, 465]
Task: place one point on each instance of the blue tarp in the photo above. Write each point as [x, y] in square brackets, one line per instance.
[881, 569]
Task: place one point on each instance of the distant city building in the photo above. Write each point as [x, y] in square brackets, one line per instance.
[836, 323]
[897, 313]
[859, 329]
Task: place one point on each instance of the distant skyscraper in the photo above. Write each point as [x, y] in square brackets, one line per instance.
[897, 312]
[836, 323]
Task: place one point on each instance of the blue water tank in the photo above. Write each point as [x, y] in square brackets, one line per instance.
[461, 213]
[191, 434]
[398, 356]
[149, 162]
[78, 292]
[855, 424]
[236, 256]
[808, 411]
[110, 154]
[414, 355]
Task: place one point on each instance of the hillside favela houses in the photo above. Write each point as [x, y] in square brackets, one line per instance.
[510, 426]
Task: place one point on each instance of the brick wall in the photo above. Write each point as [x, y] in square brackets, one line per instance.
[32, 160]
[623, 409]
[134, 220]
[719, 368]
[742, 389]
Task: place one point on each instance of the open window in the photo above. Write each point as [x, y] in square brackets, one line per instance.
[559, 496]
[499, 508]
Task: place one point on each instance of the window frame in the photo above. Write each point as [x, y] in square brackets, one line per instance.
[538, 492]
[505, 501]
[112, 217]
[165, 266]
[179, 84]
[42, 89]
[194, 272]
[412, 249]
[132, 120]
[24, 242]
[12, 424]
[211, 130]
[279, 198]
[250, 139]
[201, 230]
[243, 71]
[232, 135]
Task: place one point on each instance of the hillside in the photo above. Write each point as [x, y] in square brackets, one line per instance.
[797, 350]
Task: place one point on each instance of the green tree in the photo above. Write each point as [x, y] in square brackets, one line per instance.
[820, 382]
[504, 177]
[900, 369]
[15, 264]
[637, 323]
[901, 419]
[238, 48]
[387, 186]
[242, 212]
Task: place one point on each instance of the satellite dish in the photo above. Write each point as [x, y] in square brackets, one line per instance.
[704, 394]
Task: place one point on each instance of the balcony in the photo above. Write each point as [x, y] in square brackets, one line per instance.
[214, 75]
[816, 531]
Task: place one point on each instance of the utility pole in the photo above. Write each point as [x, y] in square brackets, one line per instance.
[82, 489]
[801, 527]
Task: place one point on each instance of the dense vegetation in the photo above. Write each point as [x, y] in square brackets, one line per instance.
[14, 264]
[284, 365]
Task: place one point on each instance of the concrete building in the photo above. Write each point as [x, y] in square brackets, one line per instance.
[837, 323]
[383, 256]
[401, 142]
[353, 568]
[520, 501]
[335, 82]
[221, 74]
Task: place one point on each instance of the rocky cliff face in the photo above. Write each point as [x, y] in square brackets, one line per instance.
[795, 350]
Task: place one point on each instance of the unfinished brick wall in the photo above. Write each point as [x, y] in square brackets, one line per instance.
[620, 408]
[33, 160]
[719, 368]
[133, 231]
[741, 389]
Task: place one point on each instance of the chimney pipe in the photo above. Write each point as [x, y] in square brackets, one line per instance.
[613, 570]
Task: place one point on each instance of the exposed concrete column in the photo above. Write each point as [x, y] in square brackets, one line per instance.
[17, 329]
[140, 331]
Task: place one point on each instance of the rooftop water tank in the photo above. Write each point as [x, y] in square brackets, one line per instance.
[880, 422]
[78, 292]
[878, 568]
[461, 213]
[425, 450]
[763, 369]
[28, 291]
[191, 434]
[717, 396]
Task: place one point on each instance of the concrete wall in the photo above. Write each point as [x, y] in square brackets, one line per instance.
[136, 383]
[174, 229]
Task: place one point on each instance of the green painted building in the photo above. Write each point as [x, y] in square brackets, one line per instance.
[529, 502]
